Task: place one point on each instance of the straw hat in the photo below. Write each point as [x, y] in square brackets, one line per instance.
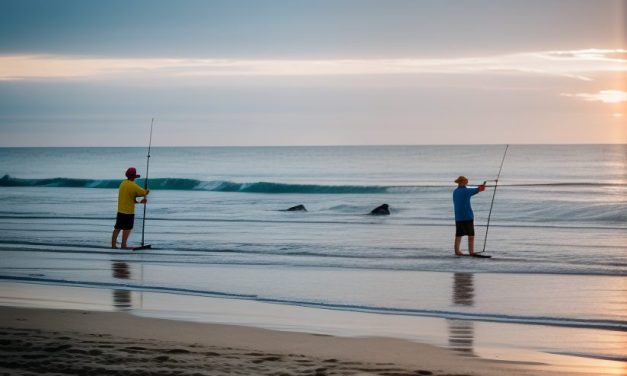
[461, 180]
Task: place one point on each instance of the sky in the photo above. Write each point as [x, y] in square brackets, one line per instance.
[325, 72]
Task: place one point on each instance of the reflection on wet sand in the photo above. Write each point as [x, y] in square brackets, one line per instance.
[121, 298]
[461, 332]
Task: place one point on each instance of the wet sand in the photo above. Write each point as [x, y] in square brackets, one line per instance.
[52, 342]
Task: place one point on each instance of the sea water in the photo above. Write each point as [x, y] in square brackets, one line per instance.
[216, 221]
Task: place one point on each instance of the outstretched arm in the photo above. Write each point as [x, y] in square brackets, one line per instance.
[474, 191]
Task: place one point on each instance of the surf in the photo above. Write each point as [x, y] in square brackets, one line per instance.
[184, 184]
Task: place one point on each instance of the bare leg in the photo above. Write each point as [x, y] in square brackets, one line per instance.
[125, 235]
[114, 238]
[458, 242]
[471, 245]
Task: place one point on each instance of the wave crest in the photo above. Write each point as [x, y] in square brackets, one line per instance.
[193, 184]
[258, 187]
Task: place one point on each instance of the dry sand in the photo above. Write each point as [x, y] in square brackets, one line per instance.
[66, 342]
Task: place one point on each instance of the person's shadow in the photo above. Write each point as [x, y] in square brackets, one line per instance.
[461, 332]
[122, 300]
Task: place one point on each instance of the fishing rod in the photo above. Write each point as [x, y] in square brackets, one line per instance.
[496, 184]
[146, 246]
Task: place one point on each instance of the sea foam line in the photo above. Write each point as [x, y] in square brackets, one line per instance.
[615, 325]
[444, 222]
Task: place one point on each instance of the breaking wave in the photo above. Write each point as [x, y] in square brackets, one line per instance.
[193, 184]
[253, 187]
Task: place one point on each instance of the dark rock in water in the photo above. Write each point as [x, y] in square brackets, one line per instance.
[297, 208]
[381, 210]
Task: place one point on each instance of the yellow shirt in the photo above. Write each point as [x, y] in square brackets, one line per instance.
[129, 191]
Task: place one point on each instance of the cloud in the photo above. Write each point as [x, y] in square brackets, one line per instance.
[605, 96]
[577, 64]
[617, 55]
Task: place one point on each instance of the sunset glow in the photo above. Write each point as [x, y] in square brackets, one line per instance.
[573, 64]
[313, 73]
[604, 96]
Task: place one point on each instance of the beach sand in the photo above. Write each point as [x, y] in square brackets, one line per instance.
[54, 342]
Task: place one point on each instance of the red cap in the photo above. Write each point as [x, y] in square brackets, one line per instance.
[131, 173]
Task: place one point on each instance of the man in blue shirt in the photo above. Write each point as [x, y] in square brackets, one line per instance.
[464, 217]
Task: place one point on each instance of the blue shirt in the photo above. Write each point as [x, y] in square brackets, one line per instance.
[461, 200]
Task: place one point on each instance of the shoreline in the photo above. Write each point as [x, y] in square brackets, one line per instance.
[97, 341]
[529, 348]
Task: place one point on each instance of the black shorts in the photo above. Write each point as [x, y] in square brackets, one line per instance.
[465, 228]
[124, 221]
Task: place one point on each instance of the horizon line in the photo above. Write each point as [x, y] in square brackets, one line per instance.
[305, 146]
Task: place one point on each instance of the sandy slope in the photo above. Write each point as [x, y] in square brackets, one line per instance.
[37, 341]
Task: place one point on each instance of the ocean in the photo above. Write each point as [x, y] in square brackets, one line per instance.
[217, 223]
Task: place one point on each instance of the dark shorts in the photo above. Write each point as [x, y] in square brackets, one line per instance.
[465, 228]
[124, 221]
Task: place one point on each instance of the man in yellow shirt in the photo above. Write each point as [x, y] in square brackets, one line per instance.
[128, 192]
